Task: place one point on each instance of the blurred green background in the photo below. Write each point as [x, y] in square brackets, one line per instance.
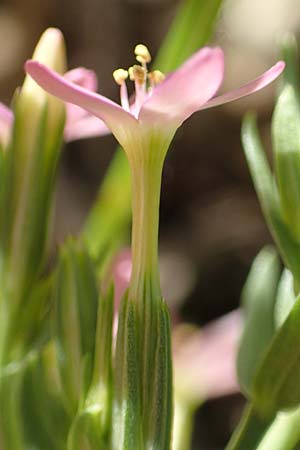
[211, 225]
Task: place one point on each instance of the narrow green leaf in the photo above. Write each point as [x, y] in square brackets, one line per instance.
[99, 397]
[285, 298]
[289, 49]
[249, 432]
[45, 419]
[85, 433]
[268, 197]
[276, 383]
[258, 298]
[286, 140]
[191, 29]
[283, 434]
[74, 320]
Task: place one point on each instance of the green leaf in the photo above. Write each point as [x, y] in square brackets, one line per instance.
[74, 321]
[285, 298]
[250, 431]
[85, 432]
[289, 50]
[283, 433]
[276, 383]
[191, 28]
[258, 298]
[33, 415]
[267, 193]
[286, 140]
[99, 397]
[45, 418]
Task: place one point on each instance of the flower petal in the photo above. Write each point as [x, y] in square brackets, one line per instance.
[6, 121]
[79, 123]
[83, 77]
[86, 79]
[253, 86]
[85, 127]
[115, 117]
[184, 91]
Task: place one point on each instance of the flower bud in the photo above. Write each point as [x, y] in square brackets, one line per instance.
[29, 169]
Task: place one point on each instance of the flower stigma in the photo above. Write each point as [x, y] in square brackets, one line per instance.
[144, 80]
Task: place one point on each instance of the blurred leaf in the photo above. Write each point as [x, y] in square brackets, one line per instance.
[33, 416]
[285, 298]
[190, 30]
[85, 432]
[74, 321]
[283, 433]
[276, 382]
[286, 142]
[258, 298]
[45, 419]
[289, 49]
[99, 397]
[250, 431]
[107, 223]
[266, 190]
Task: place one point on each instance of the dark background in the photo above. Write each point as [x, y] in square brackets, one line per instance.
[210, 218]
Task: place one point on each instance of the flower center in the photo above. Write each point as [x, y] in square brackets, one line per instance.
[144, 81]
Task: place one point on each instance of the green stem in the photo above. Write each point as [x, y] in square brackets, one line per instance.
[183, 424]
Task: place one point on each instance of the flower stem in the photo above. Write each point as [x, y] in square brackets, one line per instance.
[146, 184]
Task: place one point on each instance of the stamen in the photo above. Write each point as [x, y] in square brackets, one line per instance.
[120, 76]
[156, 77]
[142, 53]
[137, 74]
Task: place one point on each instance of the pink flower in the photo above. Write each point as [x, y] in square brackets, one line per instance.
[204, 360]
[79, 123]
[158, 110]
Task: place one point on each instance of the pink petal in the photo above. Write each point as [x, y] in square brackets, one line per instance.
[204, 360]
[86, 79]
[85, 127]
[6, 121]
[115, 117]
[83, 77]
[184, 91]
[79, 123]
[249, 88]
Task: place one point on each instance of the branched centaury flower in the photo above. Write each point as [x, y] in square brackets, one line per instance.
[145, 127]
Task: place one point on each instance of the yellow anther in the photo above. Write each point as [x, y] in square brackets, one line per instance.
[156, 77]
[138, 74]
[142, 54]
[120, 75]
